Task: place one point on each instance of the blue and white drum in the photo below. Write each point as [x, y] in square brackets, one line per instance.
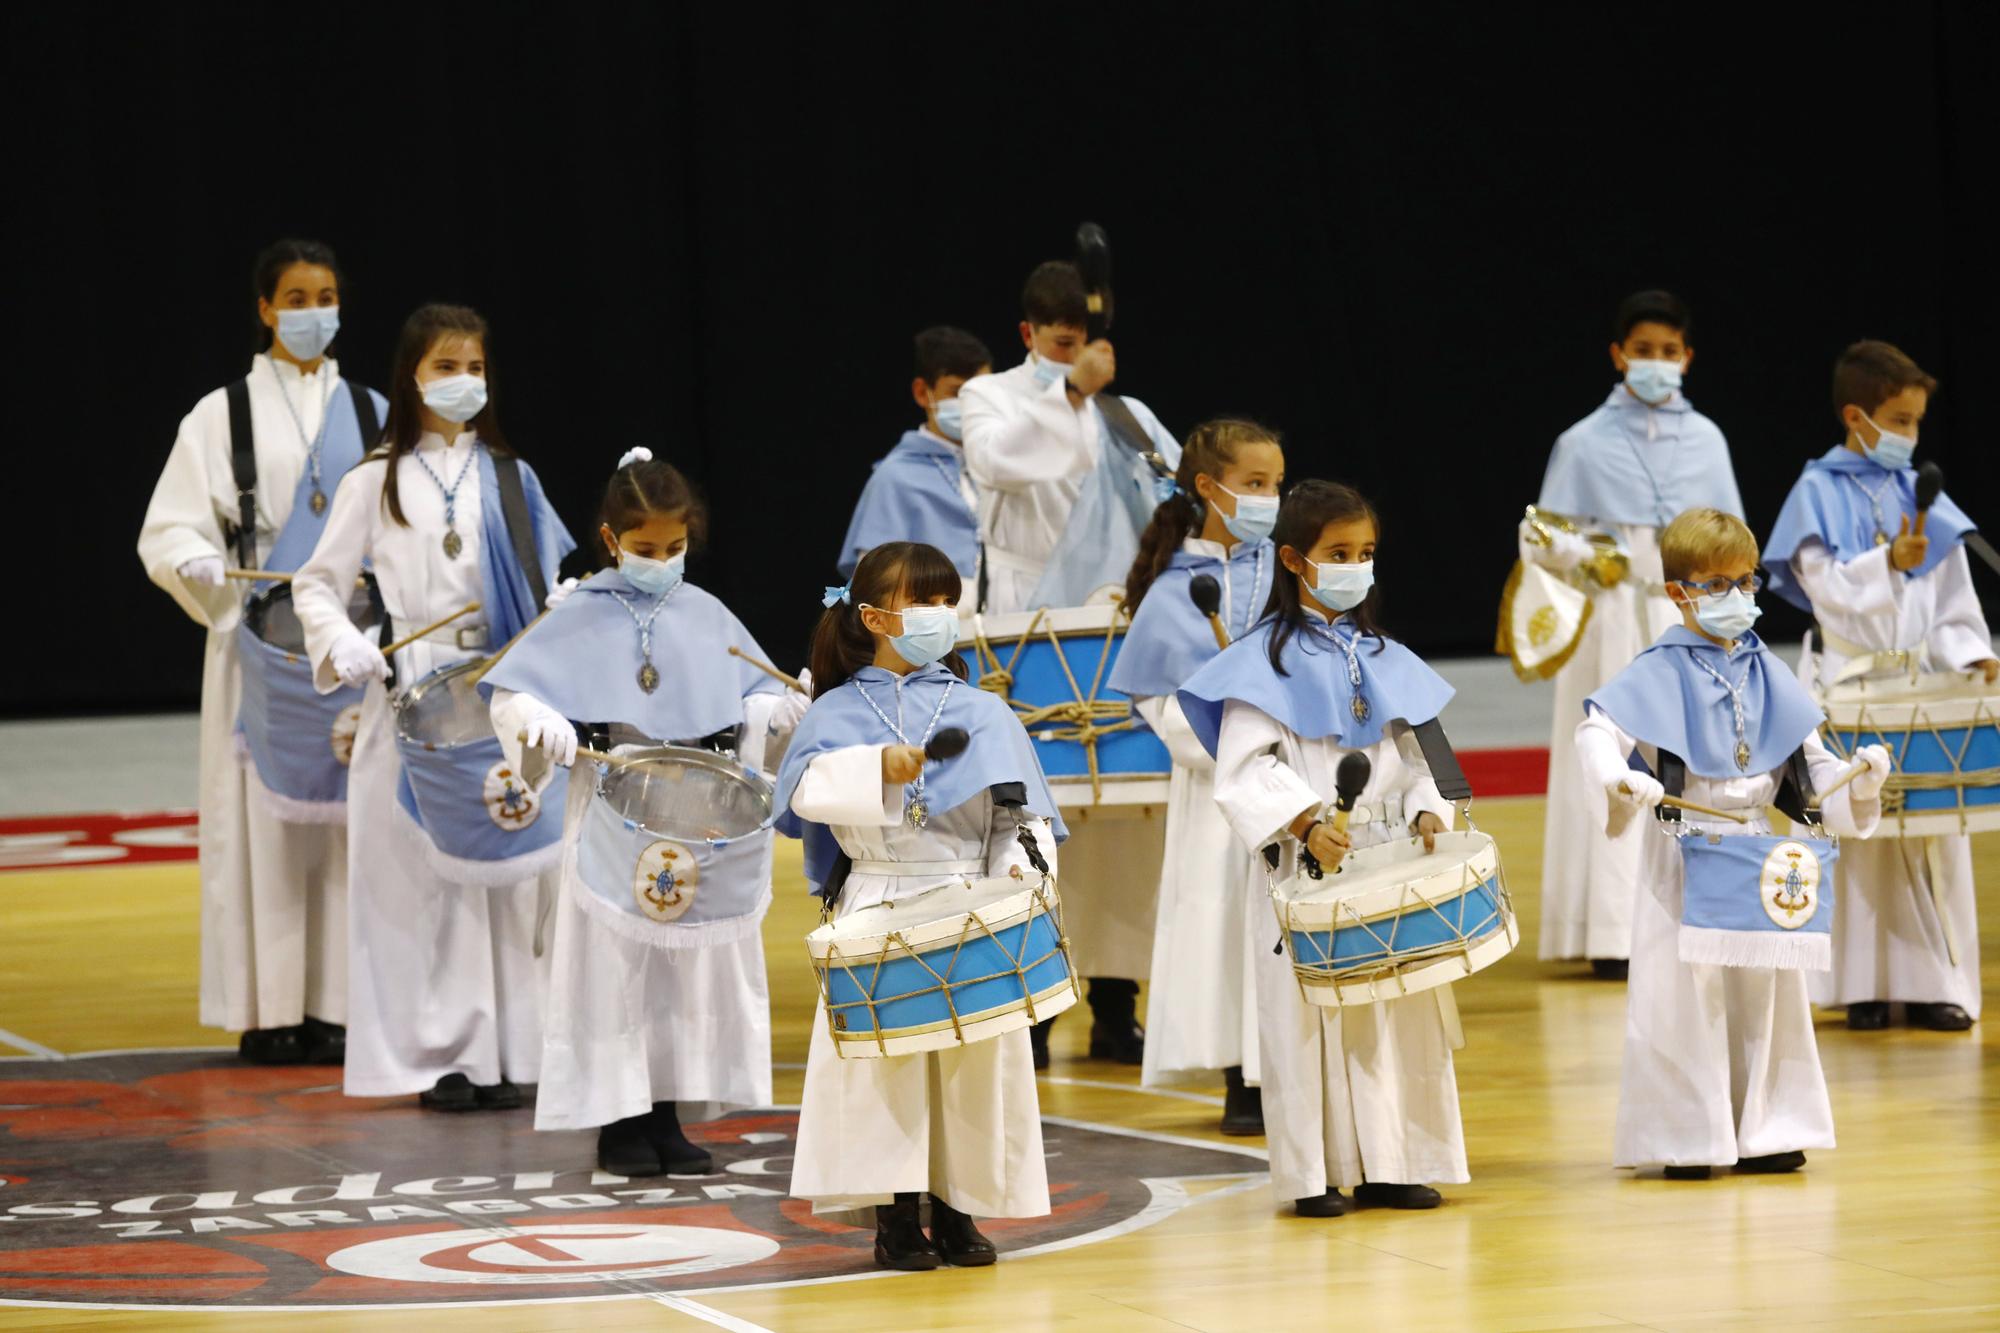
[483, 822]
[299, 740]
[1053, 667]
[954, 965]
[1943, 737]
[1394, 919]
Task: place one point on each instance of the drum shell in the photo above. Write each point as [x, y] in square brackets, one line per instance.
[1943, 737]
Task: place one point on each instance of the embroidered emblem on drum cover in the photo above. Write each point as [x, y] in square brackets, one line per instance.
[1789, 885]
[664, 883]
[345, 728]
[510, 802]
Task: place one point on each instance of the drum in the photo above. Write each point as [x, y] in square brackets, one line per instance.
[299, 740]
[1052, 667]
[1943, 734]
[675, 848]
[480, 818]
[958, 964]
[1394, 919]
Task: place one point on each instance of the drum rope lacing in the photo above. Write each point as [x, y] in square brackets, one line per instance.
[1901, 781]
[1077, 719]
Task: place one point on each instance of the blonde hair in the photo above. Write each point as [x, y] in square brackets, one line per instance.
[1704, 539]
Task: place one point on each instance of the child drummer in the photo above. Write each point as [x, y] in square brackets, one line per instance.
[1721, 1068]
[1362, 1096]
[1891, 592]
[961, 1124]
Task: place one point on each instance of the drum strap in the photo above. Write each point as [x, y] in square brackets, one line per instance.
[1794, 797]
[364, 415]
[1443, 762]
[520, 531]
[243, 467]
[1013, 796]
[1125, 427]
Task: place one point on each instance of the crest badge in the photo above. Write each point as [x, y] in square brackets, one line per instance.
[345, 728]
[510, 802]
[665, 880]
[1789, 887]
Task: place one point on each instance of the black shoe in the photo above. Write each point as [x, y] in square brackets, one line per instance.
[958, 1242]
[624, 1150]
[1121, 1045]
[1771, 1164]
[501, 1096]
[272, 1046]
[1868, 1016]
[1330, 1204]
[1038, 1041]
[1686, 1173]
[900, 1241]
[1371, 1194]
[453, 1092]
[1611, 969]
[678, 1157]
[1242, 1106]
[1115, 1034]
[325, 1043]
[1936, 1017]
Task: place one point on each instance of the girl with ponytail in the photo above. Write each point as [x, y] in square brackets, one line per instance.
[637, 655]
[1214, 528]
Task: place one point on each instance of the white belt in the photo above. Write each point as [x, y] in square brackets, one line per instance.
[1388, 811]
[912, 869]
[1864, 661]
[470, 638]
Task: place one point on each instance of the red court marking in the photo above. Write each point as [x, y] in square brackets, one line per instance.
[58, 842]
[1522, 772]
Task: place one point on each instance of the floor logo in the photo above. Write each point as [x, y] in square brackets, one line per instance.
[541, 1255]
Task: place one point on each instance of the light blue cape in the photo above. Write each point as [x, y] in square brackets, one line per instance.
[1665, 699]
[913, 496]
[1828, 503]
[1605, 468]
[1170, 638]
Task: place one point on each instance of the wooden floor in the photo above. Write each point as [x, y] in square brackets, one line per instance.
[1898, 1229]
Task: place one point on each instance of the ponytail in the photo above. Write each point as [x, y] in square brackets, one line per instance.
[841, 644]
[1211, 447]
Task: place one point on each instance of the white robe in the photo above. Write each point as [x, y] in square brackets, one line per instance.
[1588, 879]
[965, 1123]
[273, 894]
[1888, 943]
[1201, 1016]
[1368, 1092]
[443, 978]
[1720, 1062]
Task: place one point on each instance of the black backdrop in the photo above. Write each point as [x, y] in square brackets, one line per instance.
[1395, 232]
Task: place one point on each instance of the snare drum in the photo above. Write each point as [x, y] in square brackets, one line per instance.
[481, 819]
[298, 739]
[957, 964]
[1395, 920]
[1943, 736]
[675, 848]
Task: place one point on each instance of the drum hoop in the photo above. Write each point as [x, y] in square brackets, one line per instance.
[418, 690]
[708, 760]
[1479, 849]
[955, 1026]
[1509, 936]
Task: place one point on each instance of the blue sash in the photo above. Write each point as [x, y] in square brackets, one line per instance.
[1758, 900]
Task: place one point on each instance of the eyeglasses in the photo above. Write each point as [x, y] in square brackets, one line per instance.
[1749, 584]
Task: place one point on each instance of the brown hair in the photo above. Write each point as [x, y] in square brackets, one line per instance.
[1704, 539]
[1307, 510]
[1211, 447]
[842, 645]
[1871, 372]
[405, 426]
[640, 490]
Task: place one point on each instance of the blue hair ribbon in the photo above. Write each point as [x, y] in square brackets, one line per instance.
[834, 595]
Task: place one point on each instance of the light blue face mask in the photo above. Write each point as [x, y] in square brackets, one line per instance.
[1342, 587]
[307, 333]
[1255, 516]
[1653, 381]
[456, 398]
[1890, 450]
[950, 418]
[652, 577]
[1729, 616]
[1047, 372]
[929, 632]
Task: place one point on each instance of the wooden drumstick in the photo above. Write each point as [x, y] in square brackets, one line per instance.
[479, 673]
[1206, 594]
[431, 628]
[585, 752]
[792, 682]
[1678, 804]
[257, 575]
[1842, 781]
[1348, 780]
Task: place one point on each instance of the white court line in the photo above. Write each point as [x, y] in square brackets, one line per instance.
[36, 1051]
[1176, 1093]
[133, 1050]
[708, 1314]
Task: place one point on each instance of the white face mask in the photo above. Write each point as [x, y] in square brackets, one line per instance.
[1342, 587]
[1653, 381]
[456, 398]
[307, 333]
[651, 576]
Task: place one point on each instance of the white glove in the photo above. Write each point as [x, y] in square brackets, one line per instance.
[356, 660]
[1641, 791]
[559, 594]
[203, 571]
[552, 732]
[1565, 551]
[791, 707]
[1868, 786]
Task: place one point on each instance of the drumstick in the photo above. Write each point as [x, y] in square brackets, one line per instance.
[1842, 781]
[479, 673]
[948, 744]
[431, 628]
[270, 576]
[585, 752]
[1678, 804]
[791, 682]
[1206, 594]
[1348, 780]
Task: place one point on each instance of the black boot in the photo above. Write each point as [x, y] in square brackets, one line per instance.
[271, 1046]
[678, 1157]
[325, 1043]
[1242, 1106]
[1686, 1173]
[1936, 1017]
[501, 1096]
[900, 1241]
[453, 1092]
[1373, 1194]
[624, 1150]
[1115, 1034]
[958, 1242]
[1038, 1042]
[1771, 1164]
[1868, 1016]
[1610, 969]
[1329, 1204]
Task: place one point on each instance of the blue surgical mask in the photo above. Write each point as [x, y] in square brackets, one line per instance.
[950, 418]
[307, 333]
[1342, 587]
[1729, 616]
[1254, 518]
[1890, 450]
[929, 632]
[652, 577]
[1653, 381]
[1047, 372]
[456, 398]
